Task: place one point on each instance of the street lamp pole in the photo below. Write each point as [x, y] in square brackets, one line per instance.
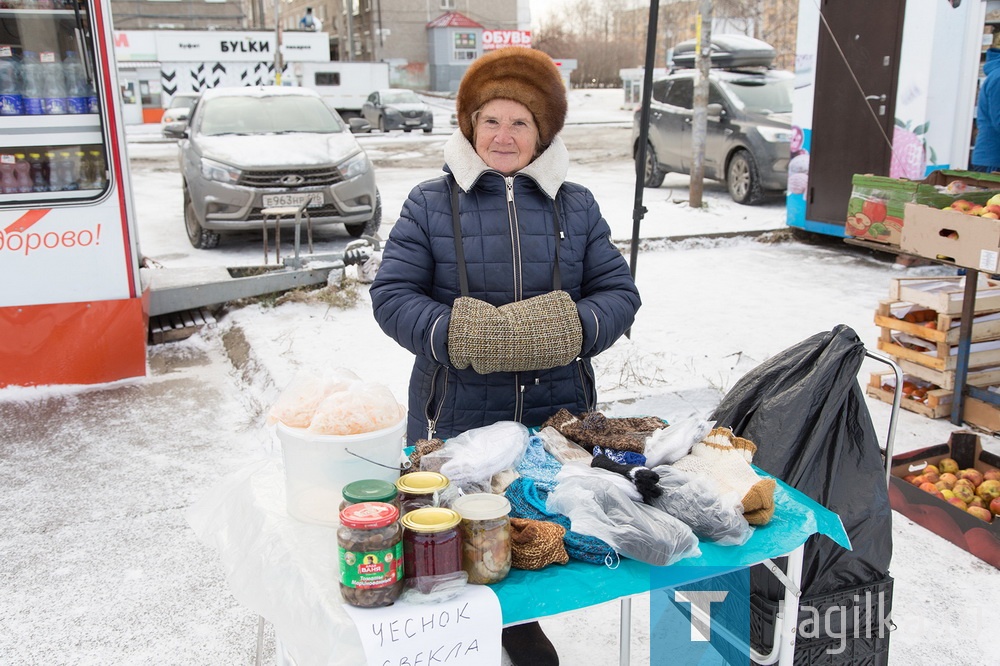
[277, 42]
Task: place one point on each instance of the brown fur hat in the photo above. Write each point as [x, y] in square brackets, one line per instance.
[522, 74]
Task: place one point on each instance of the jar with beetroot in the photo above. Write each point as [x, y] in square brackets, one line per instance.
[432, 547]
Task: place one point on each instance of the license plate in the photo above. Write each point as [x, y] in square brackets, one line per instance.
[413, 122]
[277, 200]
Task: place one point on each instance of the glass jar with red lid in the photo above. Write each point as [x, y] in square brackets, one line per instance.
[432, 546]
[370, 547]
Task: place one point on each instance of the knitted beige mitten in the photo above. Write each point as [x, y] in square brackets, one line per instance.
[726, 459]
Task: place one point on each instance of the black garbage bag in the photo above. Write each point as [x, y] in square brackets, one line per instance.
[806, 413]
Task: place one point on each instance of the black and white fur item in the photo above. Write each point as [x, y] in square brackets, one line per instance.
[645, 479]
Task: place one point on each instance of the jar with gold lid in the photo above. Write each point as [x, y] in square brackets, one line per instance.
[370, 547]
[420, 489]
[486, 538]
[432, 545]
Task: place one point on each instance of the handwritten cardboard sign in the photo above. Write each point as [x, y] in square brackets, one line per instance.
[464, 631]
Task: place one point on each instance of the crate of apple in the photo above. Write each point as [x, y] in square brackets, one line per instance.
[972, 491]
[990, 210]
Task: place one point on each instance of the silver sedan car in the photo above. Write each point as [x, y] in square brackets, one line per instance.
[247, 149]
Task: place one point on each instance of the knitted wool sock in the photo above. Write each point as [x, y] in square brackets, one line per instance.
[726, 459]
[535, 544]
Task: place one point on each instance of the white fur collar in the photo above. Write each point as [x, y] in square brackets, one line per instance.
[548, 170]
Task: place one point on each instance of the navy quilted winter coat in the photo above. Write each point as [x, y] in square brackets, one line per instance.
[509, 238]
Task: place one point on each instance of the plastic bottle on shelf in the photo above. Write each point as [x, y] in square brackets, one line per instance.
[67, 168]
[55, 173]
[53, 85]
[93, 106]
[39, 173]
[85, 171]
[77, 95]
[10, 84]
[98, 169]
[8, 183]
[31, 93]
[22, 173]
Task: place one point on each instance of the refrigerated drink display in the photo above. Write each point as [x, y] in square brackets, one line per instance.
[51, 123]
[31, 84]
[10, 83]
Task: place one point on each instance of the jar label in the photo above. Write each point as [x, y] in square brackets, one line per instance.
[371, 570]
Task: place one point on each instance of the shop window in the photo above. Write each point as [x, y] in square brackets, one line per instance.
[448, 5]
[326, 78]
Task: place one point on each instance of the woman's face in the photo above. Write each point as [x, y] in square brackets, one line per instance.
[506, 135]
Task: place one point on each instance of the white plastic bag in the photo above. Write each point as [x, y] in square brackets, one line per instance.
[361, 407]
[297, 403]
[471, 459]
[668, 445]
[698, 502]
[602, 510]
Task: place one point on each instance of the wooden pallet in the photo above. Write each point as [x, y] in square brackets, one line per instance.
[946, 326]
[936, 406]
[942, 357]
[175, 326]
[945, 294]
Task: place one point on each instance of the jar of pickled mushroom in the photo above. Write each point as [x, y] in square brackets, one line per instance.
[486, 535]
[370, 547]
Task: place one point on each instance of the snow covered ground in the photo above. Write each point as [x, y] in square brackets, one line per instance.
[99, 566]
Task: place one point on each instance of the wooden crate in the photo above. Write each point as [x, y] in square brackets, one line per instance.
[946, 326]
[945, 294]
[941, 358]
[938, 404]
[946, 378]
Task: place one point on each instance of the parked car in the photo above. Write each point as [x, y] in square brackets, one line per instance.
[397, 108]
[246, 149]
[748, 134]
[175, 117]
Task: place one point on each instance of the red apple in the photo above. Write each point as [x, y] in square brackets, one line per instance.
[961, 205]
[991, 216]
[973, 475]
[963, 492]
[991, 475]
[954, 501]
[995, 507]
[977, 501]
[931, 469]
[981, 513]
[949, 479]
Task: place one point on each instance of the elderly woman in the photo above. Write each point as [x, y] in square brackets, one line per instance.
[501, 276]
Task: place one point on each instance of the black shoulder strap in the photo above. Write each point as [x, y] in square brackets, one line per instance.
[463, 277]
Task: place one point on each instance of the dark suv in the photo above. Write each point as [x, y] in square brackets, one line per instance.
[748, 133]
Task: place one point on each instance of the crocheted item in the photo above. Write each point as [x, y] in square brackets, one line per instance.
[527, 501]
[536, 543]
[726, 458]
[595, 429]
[621, 457]
[539, 465]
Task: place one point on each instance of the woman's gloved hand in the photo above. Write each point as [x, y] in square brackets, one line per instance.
[534, 334]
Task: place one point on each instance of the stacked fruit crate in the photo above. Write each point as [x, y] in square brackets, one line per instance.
[919, 327]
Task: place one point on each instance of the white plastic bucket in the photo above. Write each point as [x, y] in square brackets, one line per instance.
[317, 467]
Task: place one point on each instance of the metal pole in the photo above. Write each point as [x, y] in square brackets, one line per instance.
[277, 42]
[638, 210]
[350, 31]
[699, 117]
